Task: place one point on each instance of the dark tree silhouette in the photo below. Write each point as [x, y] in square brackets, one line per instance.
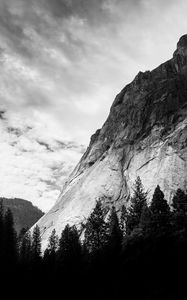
[69, 251]
[101, 266]
[25, 248]
[50, 251]
[179, 214]
[95, 236]
[146, 219]
[36, 246]
[123, 219]
[179, 202]
[115, 234]
[160, 211]
[53, 242]
[138, 200]
[1, 230]
[10, 240]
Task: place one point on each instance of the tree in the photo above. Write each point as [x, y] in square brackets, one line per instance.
[25, 248]
[50, 251]
[50, 254]
[22, 234]
[115, 234]
[179, 214]
[146, 219]
[10, 239]
[69, 251]
[123, 219]
[64, 245]
[160, 211]
[36, 245]
[1, 229]
[53, 242]
[138, 201]
[179, 202]
[95, 237]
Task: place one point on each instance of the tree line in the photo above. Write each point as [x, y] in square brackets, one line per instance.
[138, 250]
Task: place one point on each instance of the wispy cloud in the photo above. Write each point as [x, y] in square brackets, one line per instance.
[62, 62]
[34, 163]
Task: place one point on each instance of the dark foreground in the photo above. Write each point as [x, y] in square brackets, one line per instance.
[141, 255]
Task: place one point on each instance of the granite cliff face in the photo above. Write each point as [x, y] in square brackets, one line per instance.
[145, 135]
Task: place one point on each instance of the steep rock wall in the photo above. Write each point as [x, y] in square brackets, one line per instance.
[145, 135]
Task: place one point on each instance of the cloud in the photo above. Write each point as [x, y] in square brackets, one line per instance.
[62, 63]
[33, 165]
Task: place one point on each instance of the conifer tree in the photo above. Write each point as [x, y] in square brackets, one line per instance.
[1, 229]
[36, 245]
[69, 250]
[25, 248]
[50, 251]
[160, 211]
[123, 219]
[53, 242]
[115, 234]
[10, 239]
[179, 214]
[146, 219]
[138, 201]
[96, 230]
[1, 217]
[22, 234]
[64, 245]
[50, 254]
[179, 202]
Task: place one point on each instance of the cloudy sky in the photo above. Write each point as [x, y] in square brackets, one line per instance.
[61, 64]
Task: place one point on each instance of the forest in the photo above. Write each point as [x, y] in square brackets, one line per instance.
[137, 252]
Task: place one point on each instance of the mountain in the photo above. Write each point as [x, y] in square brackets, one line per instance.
[144, 135]
[24, 213]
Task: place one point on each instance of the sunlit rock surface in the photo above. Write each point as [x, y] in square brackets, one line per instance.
[145, 135]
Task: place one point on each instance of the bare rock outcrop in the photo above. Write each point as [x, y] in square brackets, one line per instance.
[144, 135]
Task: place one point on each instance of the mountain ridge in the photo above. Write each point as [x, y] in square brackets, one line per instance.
[25, 214]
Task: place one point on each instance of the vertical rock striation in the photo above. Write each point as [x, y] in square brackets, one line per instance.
[144, 135]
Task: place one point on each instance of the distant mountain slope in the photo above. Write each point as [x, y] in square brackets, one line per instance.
[24, 213]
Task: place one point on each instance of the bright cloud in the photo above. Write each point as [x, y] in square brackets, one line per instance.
[34, 163]
[62, 63]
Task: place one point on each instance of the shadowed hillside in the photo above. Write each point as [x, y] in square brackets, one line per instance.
[24, 213]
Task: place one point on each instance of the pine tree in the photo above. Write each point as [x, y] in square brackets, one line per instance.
[50, 255]
[95, 237]
[53, 242]
[69, 251]
[179, 202]
[25, 248]
[1, 217]
[160, 211]
[36, 245]
[159, 205]
[10, 240]
[138, 201]
[146, 219]
[179, 214]
[115, 234]
[22, 234]
[64, 245]
[123, 219]
[50, 251]
[1, 229]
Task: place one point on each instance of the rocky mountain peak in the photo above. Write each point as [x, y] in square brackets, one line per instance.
[144, 135]
[182, 43]
[180, 55]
